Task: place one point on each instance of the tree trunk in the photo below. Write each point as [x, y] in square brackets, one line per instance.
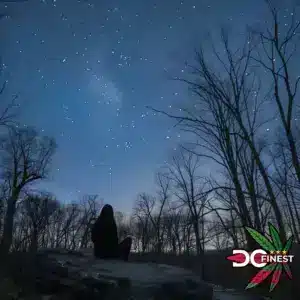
[8, 224]
[197, 237]
[34, 240]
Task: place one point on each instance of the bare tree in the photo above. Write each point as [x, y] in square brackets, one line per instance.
[163, 194]
[8, 111]
[26, 159]
[91, 206]
[141, 224]
[188, 188]
[149, 211]
[178, 229]
[39, 208]
[225, 119]
[278, 47]
[144, 211]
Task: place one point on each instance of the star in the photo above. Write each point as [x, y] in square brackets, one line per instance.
[89, 71]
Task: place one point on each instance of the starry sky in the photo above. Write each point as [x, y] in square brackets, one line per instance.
[85, 72]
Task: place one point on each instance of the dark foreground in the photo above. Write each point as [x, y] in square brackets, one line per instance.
[215, 269]
[65, 275]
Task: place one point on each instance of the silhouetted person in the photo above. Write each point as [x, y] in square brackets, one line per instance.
[105, 237]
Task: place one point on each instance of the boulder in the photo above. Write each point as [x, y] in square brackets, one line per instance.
[62, 274]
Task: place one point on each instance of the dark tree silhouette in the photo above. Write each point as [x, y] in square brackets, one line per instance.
[26, 159]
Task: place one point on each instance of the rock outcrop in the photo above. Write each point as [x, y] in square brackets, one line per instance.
[61, 274]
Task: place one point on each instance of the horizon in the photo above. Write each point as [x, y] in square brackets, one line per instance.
[93, 68]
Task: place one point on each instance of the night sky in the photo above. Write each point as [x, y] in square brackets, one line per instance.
[86, 70]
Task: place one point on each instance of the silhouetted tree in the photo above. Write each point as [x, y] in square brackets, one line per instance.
[188, 189]
[39, 209]
[225, 122]
[26, 158]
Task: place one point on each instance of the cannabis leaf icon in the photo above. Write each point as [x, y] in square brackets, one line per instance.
[273, 245]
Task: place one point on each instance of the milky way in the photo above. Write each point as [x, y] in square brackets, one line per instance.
[85, 72]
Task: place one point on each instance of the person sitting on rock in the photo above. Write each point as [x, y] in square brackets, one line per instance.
[105, 237]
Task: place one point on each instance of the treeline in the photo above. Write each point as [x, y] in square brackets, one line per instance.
[242, 122]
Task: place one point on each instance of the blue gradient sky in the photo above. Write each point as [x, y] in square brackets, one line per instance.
[85, 70]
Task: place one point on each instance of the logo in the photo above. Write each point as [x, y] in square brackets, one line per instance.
[273, 258]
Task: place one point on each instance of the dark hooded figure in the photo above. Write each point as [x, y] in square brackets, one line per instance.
[105, 237]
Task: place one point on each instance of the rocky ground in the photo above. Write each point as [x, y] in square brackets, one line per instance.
[63, 275]
[60, 274]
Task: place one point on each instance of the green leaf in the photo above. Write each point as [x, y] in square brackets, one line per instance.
[275, 237]
[288, 244]
[260, 239]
